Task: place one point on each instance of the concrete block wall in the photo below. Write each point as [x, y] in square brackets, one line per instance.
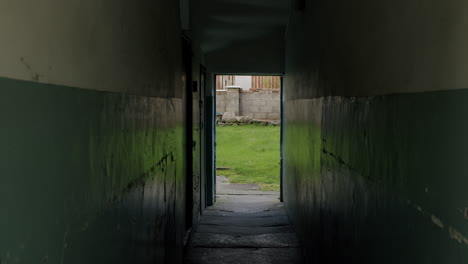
[233, 100]
[260, 104]
[220, 101]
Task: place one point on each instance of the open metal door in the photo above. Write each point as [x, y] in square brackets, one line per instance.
[210, 139]
[281, 138]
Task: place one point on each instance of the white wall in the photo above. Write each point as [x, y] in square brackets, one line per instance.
[101, 45]
[245, 82]
[365, 47]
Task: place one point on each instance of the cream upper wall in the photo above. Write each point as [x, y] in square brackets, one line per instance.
[110, 45]
[368, 47]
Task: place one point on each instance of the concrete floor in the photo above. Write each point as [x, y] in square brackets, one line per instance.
[244, 226]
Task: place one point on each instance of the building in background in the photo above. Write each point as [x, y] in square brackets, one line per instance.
[247, 82]
[255, 96]
[222, 81]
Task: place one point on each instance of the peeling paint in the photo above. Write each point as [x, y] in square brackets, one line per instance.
[459, 237]
[437, 221]
[419, 208]
[434, 218]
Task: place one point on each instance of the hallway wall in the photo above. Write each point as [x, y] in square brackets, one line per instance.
[198, 141]
[375, 107]
[91, 103]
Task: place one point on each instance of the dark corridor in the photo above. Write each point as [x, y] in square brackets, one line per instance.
[107, 141]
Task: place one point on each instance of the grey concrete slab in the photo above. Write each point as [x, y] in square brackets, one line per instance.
[253, 200]
[278, 240]
[247, 208]
[244, 228]
[245, 192]
[244, 256]
[245, 221]
[247, 187]
[237, 214]
[235, 230]
[248, 203]
[223, 187]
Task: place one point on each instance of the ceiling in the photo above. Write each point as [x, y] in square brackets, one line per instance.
[221, 23]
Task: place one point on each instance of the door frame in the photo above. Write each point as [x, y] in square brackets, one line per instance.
[187, 66]
[210, 136]
[210, 139]
[281, 138]
[202, 139]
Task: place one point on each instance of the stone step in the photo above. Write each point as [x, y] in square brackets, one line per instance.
[279, 240]
[243, 230]
[244, 256]
[245, 221]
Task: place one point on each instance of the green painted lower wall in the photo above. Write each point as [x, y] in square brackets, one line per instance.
[379, 179]
[89, 177]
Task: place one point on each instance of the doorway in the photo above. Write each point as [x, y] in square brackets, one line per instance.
[248, 135]
[248, 222]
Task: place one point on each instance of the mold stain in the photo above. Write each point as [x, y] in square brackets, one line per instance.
[34, 76]
[466, 213]
[419, 208]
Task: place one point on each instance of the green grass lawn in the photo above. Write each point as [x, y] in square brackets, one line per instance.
[252, 152]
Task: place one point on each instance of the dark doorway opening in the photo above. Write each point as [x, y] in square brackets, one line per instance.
[245, 225]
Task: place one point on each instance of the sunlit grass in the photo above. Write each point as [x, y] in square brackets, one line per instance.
[252, 152]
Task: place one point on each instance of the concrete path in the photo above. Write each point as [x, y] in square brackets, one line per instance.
[244, 226]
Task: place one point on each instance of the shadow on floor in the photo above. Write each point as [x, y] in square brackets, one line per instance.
[244, 226]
